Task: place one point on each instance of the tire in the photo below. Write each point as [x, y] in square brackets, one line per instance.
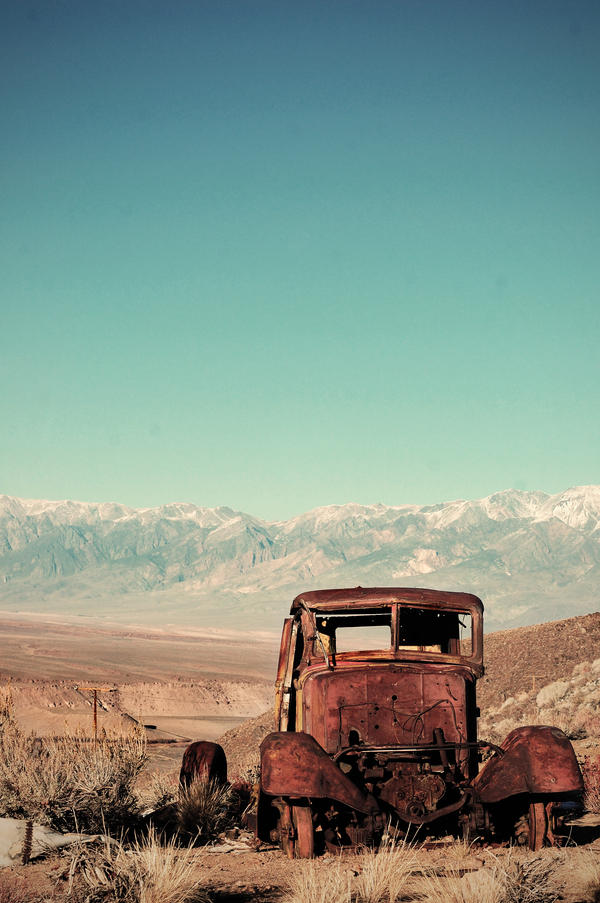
[540, 825]
[304, 831]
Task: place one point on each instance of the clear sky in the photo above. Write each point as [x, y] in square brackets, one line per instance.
[275, 255]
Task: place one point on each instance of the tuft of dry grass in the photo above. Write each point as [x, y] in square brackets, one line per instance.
[146, 872]
[203, 809]
[66, 782]
[386, 872]
[157, 791]
[397, 873]
[312, 884]
[482, 886]
[531, 878]
[586, 865]
[384, 877]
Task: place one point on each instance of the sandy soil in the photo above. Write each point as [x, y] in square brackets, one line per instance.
[40, 647]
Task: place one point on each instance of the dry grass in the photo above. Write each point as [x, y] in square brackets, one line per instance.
[508, 879]
[14, 889]
[397, 872]
[313, 884]
[203, 810]
[65, 782]
[482, 886]
[585, 864]
[383, 877]
[146, 872]
[532, 879]
[591, 778]
[157, 791]
[386, 872]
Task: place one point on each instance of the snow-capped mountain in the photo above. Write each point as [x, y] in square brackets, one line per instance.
[531, 556]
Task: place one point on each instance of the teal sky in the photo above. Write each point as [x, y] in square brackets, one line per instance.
[275, 255]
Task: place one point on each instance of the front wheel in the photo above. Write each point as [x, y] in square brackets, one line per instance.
[540, 825]
[305, 833]
[296, 831]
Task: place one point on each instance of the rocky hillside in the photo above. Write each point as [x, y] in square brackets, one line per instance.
[545, 674]
[527, 659]
[529, 555]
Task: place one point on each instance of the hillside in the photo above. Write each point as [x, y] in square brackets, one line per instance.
[531, 557]
[529, 658]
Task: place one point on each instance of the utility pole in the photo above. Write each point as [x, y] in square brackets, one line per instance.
[97, 690]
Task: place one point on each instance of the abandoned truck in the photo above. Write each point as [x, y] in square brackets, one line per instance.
[377, 723]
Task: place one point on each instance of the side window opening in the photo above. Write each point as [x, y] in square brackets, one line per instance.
[446, 632]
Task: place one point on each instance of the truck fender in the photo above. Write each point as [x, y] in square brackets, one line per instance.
[296, 765]
[203, 761]
[535, 760]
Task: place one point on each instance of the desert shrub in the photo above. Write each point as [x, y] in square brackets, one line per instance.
[203, 810]
[146, 872]
[570, 722]
[591, 779]
[157, 791]
[551, 693]
[67, 783]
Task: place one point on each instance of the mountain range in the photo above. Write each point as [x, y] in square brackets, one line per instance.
[531, 557]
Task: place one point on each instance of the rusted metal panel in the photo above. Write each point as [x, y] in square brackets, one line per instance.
[386, 705]
[537, 760]
[295, 765]
[361, 595]
[203, 760]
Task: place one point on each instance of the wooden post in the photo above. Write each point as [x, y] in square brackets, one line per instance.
[95, 691]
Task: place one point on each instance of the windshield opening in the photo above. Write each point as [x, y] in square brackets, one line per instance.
[416, 629]
[356, 632]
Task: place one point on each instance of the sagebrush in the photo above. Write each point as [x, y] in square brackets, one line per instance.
[70, 783]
